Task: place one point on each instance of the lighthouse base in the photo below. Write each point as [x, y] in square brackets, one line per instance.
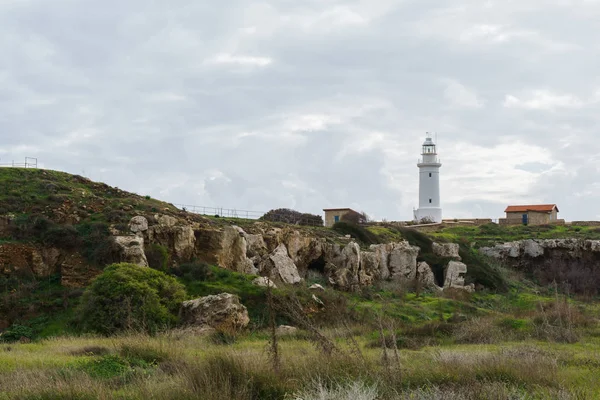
[429, 214]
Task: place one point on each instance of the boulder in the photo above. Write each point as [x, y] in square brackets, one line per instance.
[286, 330]
[264, 281]
[281, 267]
[426, 278]
[316, 287]
[138, 224]
[223, 312]
[402, 262]
[233, 254]
[131, 249]
[454, 276]
[344, 268]
[532, 248]
[369, 271]
[166, 220]
[446, 250]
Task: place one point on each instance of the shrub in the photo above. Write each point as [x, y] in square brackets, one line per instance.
[356, 218]
[16, 332]
[292, 217]
[158, 257]
[356, 231]
[194, 271]
[129, 297]
[62, 237]
[99, 246]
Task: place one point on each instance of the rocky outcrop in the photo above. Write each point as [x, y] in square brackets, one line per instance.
[234, 249]
[426, 278]
[76, 272]
[571, 262]
[179, 239]
[286, 330]
[281, 267]
[454, 277]
[223, 312]
[446, 250]
[343, 270]
[264, 281]
[138, 224]
[132, 249]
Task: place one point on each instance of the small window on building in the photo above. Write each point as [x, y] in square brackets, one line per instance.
[336, 218]
[430, 174]
[429, 201]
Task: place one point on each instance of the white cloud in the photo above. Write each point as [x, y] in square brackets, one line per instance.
[543, 100]
[461, 96]
[226, 58]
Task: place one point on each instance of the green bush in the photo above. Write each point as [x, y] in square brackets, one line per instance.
[158, 257]
[292, 217]
[16, 332]
[63, 237]
[356, 231]
[98, 245]
[130, 297]
[194, 271]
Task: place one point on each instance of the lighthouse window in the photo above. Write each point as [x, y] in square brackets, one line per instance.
[429, 201]
[430, 174]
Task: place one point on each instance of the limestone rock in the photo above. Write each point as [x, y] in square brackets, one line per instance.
[446, 250]
[316, 287]
[403, 261]
[132, 249]
[166, 220]
[454, 276]
[281, 266]
[138, 224]
[286, 330]
[264, 281]
[425, 277]
[223, 312]
[233, 254]
[344, 268]
[369, 268]
[532, 248]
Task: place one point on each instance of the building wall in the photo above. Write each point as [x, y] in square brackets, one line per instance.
[533, 218]
[330, 216]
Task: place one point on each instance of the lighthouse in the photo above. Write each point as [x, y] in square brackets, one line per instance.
[429, 184]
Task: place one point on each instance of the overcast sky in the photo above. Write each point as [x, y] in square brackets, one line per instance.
[310, 104]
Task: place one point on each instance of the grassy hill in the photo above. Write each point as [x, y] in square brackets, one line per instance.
[511, 339]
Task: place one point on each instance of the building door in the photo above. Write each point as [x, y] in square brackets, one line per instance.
[525, 219]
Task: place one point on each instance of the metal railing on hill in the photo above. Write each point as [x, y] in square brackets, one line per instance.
[242, 214]
[30, 162]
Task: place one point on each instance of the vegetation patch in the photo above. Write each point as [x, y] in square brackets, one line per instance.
[129, 297]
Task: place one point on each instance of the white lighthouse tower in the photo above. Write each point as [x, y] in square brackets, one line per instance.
[429, 184]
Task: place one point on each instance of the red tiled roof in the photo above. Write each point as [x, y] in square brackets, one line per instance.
[535, 207]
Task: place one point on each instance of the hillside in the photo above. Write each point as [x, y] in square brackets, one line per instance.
[380, 324]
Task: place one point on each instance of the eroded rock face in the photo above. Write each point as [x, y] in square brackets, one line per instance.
[138, 224]
[281, 267]
[132, 249]
[446, 250]
[343, 271]
[454, 276]
[264, 281]
[23, 259]
[426, 277]
[234, 249]
[223, 312]
[76, 272]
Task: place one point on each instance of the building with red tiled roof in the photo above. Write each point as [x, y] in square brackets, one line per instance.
[533, 214]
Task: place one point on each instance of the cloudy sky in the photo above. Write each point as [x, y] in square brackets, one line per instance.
[310, 104]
